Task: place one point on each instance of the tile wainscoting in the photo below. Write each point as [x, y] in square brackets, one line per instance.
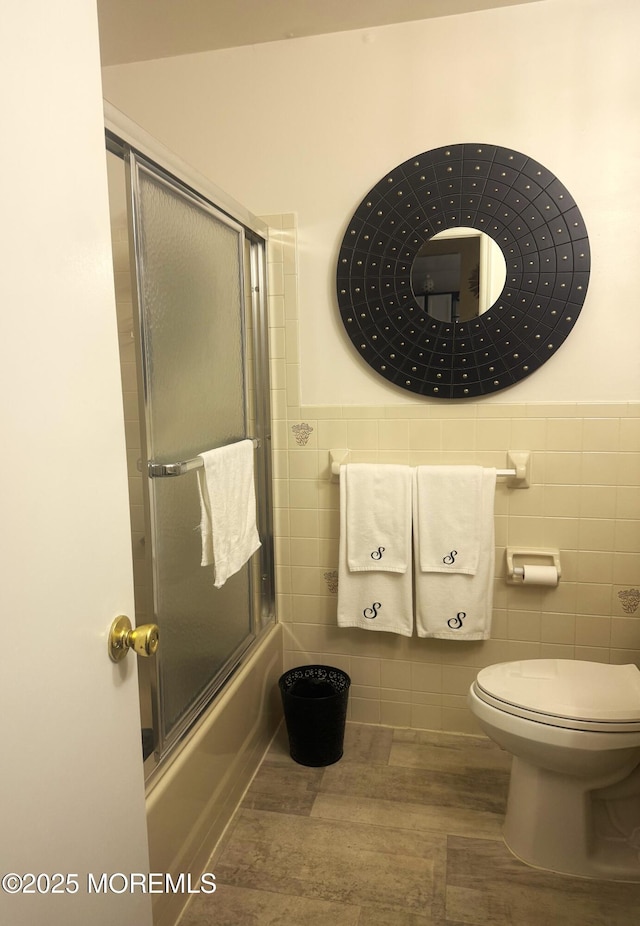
[584, 500]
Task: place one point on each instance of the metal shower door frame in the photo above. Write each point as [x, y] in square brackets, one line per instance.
[141, 152]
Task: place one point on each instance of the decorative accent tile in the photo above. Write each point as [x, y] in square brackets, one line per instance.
[302, 432]
[331, 578]
[630, 599]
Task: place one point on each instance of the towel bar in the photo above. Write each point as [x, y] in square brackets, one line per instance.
[179, 469]
[518, 472]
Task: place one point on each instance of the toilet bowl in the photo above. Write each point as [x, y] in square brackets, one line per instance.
[573, 729]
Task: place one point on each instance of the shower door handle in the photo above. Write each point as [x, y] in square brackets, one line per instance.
[144, 639]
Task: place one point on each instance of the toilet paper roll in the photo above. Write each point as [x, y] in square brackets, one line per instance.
[540, 575]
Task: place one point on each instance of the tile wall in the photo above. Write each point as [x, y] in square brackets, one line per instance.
[584, 500]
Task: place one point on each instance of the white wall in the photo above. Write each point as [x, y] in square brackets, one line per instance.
[310, 125]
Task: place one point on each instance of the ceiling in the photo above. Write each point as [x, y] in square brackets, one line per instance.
[140, 30]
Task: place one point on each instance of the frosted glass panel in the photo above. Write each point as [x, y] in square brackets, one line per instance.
[191, 279]
[191, 304]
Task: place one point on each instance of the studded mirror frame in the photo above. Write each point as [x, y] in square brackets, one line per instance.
[541, 232]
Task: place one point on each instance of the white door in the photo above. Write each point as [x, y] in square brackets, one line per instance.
[71, 783]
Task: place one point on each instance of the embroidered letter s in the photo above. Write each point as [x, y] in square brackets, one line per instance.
[456, 622]
[372, 612]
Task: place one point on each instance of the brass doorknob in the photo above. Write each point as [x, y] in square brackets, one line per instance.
[143, 640]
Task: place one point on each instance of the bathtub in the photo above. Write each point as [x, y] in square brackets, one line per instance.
[193, 800]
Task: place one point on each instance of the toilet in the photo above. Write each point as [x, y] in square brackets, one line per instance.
[573, 729]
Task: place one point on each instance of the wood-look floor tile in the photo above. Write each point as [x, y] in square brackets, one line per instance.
[485, 789]
[404, 831]
[333, 860]
[367, 743]
[487, 886]
[374, 916]
[239, 906]
[411, 816]
[450, 753]
[289, 788]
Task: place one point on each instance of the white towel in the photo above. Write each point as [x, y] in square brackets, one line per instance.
[458, 606]
[448, 500]
[227, 509]
[378, 516]
[372, 600]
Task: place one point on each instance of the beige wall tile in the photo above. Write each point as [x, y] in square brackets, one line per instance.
[460, 434]
[592, 653]
[557, 651]
[593, 599]
[585, 501]
[395, 714]
[596, 534]
[627, 502]
[426, 717]
[558, 628]
[303, 464]
[599, 468]
[304, 552]
[393, 435]
[524, 625]
[528, 434]
[563, 468]
[303, 493]
[630, 434]
[595, 567]
[593, 631]
[493, 434]
[626, 569]
[628, 469]
[598, 501]
[395, 674]
[364, 711]
[362, 434]
[561, 533]
[625, 656]
[365, 671]
[564, 434]
[625, 633]
[457, 679]
[627, 536]
[459, 721]
[561, 501]
[601, 435]
[426, 677]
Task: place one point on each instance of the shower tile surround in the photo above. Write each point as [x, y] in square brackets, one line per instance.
[584, 500]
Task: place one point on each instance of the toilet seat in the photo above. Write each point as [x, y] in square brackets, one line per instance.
[566, 693]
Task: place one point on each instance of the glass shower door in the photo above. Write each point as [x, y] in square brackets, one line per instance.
[191, 311]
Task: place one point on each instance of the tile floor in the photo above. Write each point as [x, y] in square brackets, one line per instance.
[405, 830]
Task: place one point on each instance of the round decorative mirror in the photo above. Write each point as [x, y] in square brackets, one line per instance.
[462, 271]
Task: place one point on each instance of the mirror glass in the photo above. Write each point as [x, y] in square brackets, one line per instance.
[458, 274]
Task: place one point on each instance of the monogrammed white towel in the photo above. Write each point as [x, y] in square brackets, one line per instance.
[377, 522]
[447, 517]
[227, 509]
[372, 600]
[459, 606]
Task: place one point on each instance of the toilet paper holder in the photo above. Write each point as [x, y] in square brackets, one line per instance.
[518, 558]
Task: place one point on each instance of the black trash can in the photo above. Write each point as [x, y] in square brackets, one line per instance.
[315, 700]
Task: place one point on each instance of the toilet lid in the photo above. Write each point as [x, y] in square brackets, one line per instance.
[576, 691]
